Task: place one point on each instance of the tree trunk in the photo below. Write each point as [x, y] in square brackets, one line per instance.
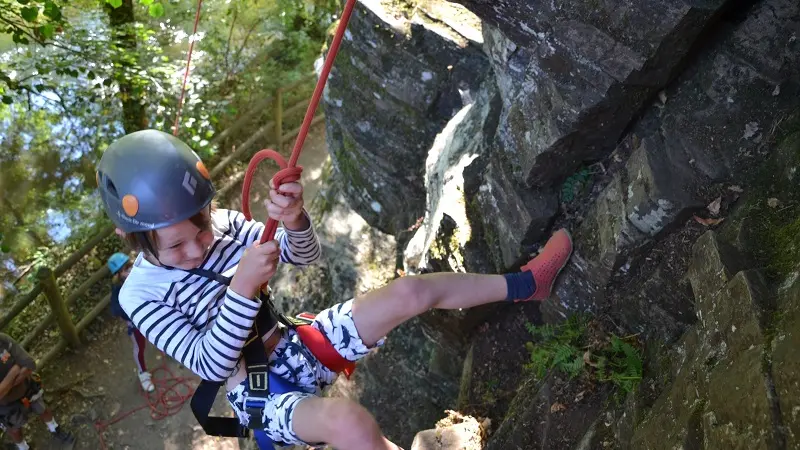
[133, 108]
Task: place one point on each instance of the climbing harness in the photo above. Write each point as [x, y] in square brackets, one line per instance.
[261, 381]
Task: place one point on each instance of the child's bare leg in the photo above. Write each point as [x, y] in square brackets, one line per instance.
[378, 312]
[340, 423]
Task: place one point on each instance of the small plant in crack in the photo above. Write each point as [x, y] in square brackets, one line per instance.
[580, 348]
[574, 186]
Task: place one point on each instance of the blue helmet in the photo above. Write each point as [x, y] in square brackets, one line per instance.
[150, 180]
[116, 262]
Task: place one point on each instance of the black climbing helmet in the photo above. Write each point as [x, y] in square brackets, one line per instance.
[150, 180]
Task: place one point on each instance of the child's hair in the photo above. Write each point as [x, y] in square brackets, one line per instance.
[147, 241]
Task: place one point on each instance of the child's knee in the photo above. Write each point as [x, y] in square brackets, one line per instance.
[339, 422]
[414, 292]
[351, 421]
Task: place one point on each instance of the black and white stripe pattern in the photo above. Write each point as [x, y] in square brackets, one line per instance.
[198, 321]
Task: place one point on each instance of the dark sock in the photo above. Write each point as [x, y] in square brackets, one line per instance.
[521, 285]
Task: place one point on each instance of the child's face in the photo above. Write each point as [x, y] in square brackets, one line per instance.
[126, 270]
[183, 245]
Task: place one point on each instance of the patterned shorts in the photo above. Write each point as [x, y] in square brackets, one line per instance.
[293, 362]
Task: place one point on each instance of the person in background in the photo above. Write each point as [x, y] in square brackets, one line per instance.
[20, 393]
[120, 266]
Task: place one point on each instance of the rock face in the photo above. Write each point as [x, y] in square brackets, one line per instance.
[716, 120]
[573, 74]
[465, 139]
[785, 362]
[401, 74]
[671, 121]
[719, 393]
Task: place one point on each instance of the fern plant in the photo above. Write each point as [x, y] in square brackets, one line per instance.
[564, 348]
[575, 184]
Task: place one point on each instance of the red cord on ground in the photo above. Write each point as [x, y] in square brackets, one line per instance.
[170, 394]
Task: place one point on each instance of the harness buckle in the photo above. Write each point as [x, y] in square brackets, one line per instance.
[254, 407]
[258, 377]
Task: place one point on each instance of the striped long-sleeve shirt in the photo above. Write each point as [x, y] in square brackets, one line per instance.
[200, 322]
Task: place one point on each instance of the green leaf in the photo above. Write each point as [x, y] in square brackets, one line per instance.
[7, 100]
[29, 13]
[20, 38]
[52, 11]
[107, 82]
[5, 249]
[47, 30]
[146, 2]
[156, 10]
[114, 3]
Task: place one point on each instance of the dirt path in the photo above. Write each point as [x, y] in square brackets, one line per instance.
[99, 382]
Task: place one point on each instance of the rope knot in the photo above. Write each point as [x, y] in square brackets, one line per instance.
[287, 175]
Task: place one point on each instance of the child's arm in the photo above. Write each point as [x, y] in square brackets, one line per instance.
[9, 381]
[300, 248]
[299, 243]
[211, 354]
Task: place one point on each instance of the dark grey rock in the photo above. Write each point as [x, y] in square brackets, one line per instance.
[602, 244]
[513, 217]
[712, 266]
[574, 74]
[397, 80]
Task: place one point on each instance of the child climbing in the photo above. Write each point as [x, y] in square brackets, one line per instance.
[195, 291]
[20, 393]
[120, 266]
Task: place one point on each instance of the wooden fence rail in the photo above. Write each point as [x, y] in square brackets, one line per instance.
[47, 278]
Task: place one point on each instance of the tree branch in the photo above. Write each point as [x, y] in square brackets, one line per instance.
[35, 38]
[246, 38]
[228, 45]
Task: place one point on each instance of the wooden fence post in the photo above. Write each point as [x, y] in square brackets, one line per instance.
[278, 118]
[48, 283]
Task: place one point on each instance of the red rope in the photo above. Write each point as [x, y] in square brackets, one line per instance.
[171, 393]
[186, 73]
[290, 172]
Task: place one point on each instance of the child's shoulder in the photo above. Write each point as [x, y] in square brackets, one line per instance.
[225, 219]
[146, 279]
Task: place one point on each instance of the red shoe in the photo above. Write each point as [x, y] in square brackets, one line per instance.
[546, 266]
